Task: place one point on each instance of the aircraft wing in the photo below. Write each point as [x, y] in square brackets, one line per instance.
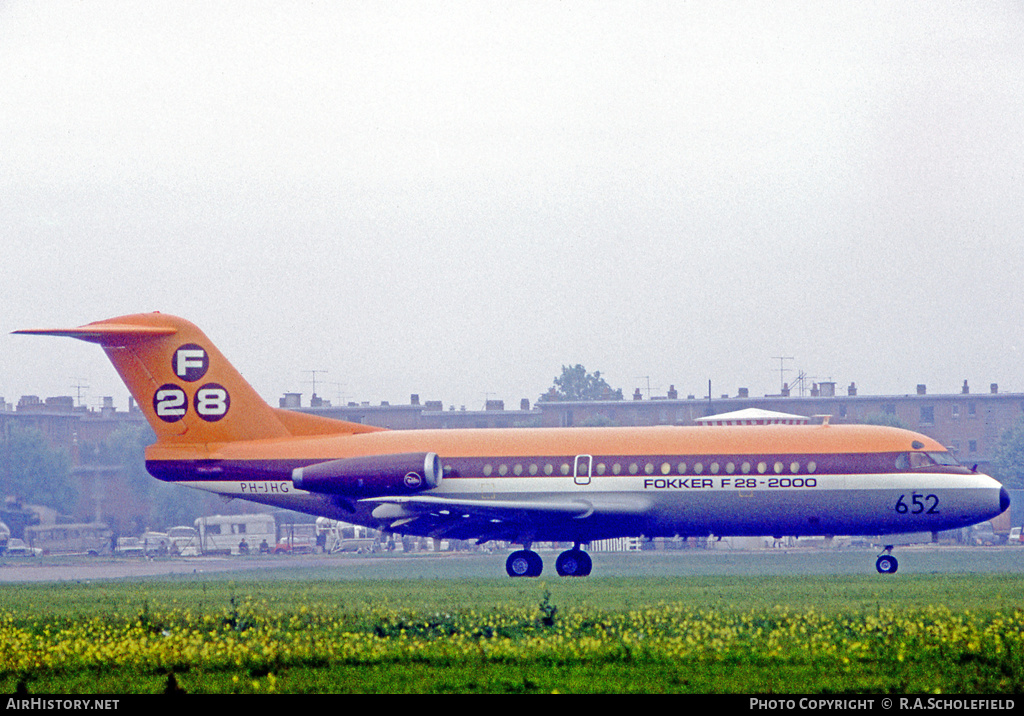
[484, 519]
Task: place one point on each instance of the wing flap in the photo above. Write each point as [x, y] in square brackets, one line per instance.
[418, 504]
[483, 520]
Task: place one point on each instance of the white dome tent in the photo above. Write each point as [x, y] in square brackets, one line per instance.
[753, 416]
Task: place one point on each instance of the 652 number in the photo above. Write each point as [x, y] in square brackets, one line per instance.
[927, 504]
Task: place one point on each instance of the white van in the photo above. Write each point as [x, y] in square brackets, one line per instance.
[236, 534]
[184, 541]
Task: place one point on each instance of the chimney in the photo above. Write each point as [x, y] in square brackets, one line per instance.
[744, 393]
[965, 390]
[852, 390]
[414, 399]
[922, 389]
[673, 394]
[994, 388]
[637, 395]
[524, 404]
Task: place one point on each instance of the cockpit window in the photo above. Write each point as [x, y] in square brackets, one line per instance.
[920, 459]
[943, 458]
[914, 460]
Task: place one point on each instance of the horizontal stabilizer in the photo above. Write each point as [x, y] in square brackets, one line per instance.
[110, 334]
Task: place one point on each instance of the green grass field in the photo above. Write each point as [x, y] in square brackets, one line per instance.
[309, 632]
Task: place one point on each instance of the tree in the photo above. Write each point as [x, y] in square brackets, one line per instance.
[575, 383]
[1009, 458]
[33, 472]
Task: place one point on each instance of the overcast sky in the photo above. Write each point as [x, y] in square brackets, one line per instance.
[456, 198]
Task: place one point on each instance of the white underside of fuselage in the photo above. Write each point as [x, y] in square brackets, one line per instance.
[524, 509]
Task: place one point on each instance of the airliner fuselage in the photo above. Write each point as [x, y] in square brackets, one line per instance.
[527, 485]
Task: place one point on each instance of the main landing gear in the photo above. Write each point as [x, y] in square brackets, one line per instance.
[886, 563]
[527, 563]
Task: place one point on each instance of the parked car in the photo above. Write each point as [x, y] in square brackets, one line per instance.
[129, 546]
[184, 541]
[17, 548]
[156, 543]
[1015, 536]
[983, 534]
[298, 539]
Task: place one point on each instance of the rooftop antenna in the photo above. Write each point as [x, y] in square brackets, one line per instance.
[79, 386]
[314, 372]
[648, 379]
[782, 370]
[342, 396]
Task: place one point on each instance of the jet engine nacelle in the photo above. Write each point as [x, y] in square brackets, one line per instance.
[372, 475]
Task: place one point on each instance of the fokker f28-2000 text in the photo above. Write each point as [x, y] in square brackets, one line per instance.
[533, 484]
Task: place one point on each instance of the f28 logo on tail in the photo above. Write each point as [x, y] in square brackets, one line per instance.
[211, 401]
[190, 362]
[170, 403]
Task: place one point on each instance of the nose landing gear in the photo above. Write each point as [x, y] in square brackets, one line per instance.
[886, 563]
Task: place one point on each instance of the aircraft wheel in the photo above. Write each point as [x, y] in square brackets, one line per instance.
[573, 563]
[887, 564]
[524, 563]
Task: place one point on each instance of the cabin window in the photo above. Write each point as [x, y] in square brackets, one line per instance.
[794, 467]
[616, 468]
[745, 468]
[503, 470]
[518, 469]
[730, 467]
[548, 469]
[600, 468]
[665, 468]
[812, 466]
[681, 467]
[565, 468]
[778, 468]
[714, 468]
[487, 470]
[698, 468]
[634, 469]
[649, 468]
[533, 468]
[762, 467]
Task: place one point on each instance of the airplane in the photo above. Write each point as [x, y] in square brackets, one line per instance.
[527, 485]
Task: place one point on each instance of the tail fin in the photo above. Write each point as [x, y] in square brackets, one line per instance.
[186, 388]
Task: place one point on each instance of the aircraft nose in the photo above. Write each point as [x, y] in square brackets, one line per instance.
[1004, 500]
